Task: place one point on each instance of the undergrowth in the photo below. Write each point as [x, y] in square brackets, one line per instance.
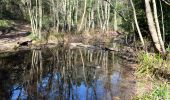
[148, 62]
[150, 73]
[159, 92]
[5, 23]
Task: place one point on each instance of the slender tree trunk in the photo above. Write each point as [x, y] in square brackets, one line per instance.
[57, 15]
[76, 13]
[102, 15]
[136, 23]
[65, 15]
[157, 26]
[83, 17]
[105, 16]
[115, 16]
[53, 12]
[163, 26]
[98, 13]
[69, 15]
[40, 19]
[108, 16]
[92, 18]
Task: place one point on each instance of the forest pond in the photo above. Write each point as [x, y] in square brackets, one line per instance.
[63, 73]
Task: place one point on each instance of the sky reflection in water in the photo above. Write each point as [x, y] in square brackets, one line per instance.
[63, 74]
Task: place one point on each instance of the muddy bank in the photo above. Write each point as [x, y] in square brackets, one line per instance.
[9, 41]
[17, 32]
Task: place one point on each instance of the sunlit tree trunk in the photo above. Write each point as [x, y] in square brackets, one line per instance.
[90, 14]
[102, 15]
[35, 15]
[55, 15]
[115, 16]
[92, 19]
[83, 16]
[40, 19]
[152, 28]
[136, 23]
[157, 25]
[69, 19]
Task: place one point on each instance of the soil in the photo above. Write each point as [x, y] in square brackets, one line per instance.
[19, 33]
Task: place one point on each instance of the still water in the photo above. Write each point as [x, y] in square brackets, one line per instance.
[61, 73]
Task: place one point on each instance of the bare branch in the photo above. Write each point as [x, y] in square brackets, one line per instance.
[166, 2]
[117, 11]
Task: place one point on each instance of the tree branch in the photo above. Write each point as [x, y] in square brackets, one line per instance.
[117, 11]
[166, 2]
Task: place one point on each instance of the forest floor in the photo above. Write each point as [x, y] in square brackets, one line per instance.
[18, 33]
[21, 32]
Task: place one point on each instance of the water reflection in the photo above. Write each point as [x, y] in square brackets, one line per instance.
[60, 73]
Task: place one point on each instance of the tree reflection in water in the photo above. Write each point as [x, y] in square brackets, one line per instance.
[66, 74]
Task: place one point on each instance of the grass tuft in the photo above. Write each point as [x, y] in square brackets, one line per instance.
[148, 63]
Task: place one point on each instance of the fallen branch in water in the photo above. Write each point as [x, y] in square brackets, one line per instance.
[74, 45]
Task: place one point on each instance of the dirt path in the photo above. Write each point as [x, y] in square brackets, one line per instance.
[19, 33]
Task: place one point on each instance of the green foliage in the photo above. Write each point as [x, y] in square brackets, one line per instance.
[148, 63]
[168, 49]
[33, 36]
[46, 23]
[158, 93]
[5, 23]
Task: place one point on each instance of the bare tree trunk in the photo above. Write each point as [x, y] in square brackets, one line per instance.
[90, 15]
[98, 13]
[157, 26]
[57, 15]
[84, 13]
[163, 26]
[40, 19]
[69, 19]
[115, 16]
[152, 27]
[53, 12]
[92, 18]
[108, 16]
[76, 13]
[136, 22]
